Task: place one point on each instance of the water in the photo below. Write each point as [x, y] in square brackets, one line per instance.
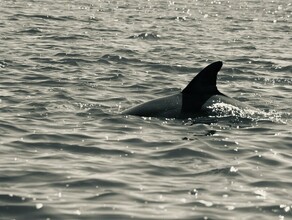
[68, 68]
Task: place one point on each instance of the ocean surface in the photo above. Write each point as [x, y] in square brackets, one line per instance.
[69, 68]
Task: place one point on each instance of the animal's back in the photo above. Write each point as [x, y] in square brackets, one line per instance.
[168, 107]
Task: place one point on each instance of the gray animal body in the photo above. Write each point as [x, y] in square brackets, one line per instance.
[198, 98]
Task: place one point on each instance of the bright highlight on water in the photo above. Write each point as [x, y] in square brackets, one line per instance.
[216, 148]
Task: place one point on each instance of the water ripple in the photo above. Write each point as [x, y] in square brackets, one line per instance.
[68, 70]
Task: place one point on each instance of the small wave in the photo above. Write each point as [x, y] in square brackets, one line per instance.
[102, 195]
[93, 182]
[26, 208]
[171, 68]
[114, 75]
[225, 171]
[65, 38]
[118, 59]
[146, 36]
[176, 18]
[75, 148]
[45, 60]
[127, 51]
[6, 126]
[11, 198]
[73, 61]
[4, 63]
[62, 54]
[274, 211]
[107, 58]
[31, 31]
[44, 17]
[280, 81]
[183, 153]
[277, 68]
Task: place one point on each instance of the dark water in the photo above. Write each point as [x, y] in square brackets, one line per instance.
[69, 67]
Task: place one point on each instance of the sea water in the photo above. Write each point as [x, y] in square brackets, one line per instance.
[67, 70]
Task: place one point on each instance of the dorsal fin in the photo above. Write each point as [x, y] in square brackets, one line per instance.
[204, 81]
[201, 88]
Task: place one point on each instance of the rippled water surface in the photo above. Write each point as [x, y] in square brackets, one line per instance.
[68, 68]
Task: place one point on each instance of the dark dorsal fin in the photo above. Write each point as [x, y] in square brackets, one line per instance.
[201, 88]
[204, 80]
